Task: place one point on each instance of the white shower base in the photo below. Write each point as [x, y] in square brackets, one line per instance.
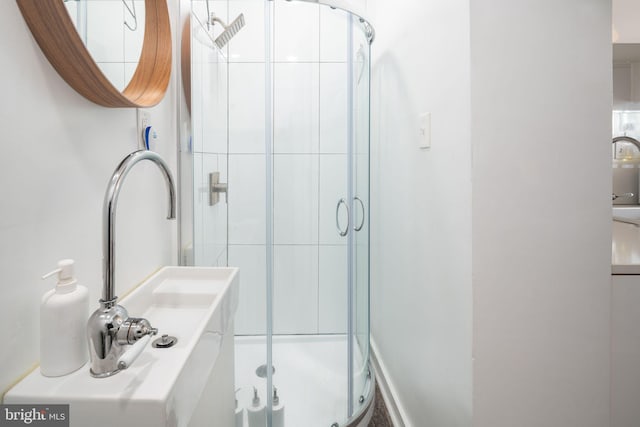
[310, 376]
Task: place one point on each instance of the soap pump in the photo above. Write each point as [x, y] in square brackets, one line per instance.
[277, 417]
[256, 413]
[64, 311]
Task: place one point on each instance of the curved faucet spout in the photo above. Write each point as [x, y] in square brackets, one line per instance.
[626, 139]
[109, 217]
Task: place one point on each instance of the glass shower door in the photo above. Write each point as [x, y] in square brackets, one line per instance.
[283, 112]
[359, 333]
[311, 205]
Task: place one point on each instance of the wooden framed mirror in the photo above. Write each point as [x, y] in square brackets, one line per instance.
[58, 39]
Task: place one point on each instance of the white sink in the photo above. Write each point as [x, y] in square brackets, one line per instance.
[164, 385]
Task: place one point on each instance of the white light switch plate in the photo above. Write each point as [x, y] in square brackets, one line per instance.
[143, 119]
[425, 130]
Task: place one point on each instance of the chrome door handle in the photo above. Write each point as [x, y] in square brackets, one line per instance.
[346, 229]
[359, 227]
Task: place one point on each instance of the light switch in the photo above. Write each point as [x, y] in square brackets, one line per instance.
[424, 130]
[143, 120]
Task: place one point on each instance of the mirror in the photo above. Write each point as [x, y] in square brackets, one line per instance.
[626, 123]
[53, 28]
[112, 31]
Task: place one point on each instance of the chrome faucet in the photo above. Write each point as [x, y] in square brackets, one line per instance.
[110, 330]
[625, 138]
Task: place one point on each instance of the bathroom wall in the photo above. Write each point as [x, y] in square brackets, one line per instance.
[508, 209]
[421, 208]
[541, 223]
[59, 151]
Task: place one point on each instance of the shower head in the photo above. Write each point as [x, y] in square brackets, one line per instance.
[229, 30]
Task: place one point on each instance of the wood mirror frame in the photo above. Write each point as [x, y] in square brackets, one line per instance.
[56, 34]
[185, 61]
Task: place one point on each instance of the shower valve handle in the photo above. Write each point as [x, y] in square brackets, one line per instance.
[215, 188]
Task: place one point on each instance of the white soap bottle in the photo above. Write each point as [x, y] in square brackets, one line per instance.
[277, 416]
[64, 311]
[239, 415]
[256, 413]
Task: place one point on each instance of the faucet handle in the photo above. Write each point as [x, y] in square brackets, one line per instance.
[615, 196]
[134, 329]
[132, 354]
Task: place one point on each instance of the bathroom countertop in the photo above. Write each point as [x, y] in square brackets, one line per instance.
[625, 249]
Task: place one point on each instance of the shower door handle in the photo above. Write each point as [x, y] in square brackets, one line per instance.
[359, 200]
[342, 232]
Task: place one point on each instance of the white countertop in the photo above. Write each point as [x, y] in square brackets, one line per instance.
[625, 249]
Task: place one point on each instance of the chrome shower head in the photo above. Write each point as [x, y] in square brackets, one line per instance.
[229, 30]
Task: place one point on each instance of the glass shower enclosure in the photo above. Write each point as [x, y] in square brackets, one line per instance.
[274, 159]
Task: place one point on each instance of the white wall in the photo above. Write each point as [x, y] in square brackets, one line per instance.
[541, 114]
[59, 150]
[538, 117]
[421, 207]
[626, 14]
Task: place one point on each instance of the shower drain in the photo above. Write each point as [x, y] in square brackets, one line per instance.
[261, 371]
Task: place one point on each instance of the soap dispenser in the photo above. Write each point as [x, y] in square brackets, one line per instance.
[277, 417]
[64, 311]
[256, 413]
[239, 415]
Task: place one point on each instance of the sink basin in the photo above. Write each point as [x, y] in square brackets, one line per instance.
[626, 212]
[163, 386]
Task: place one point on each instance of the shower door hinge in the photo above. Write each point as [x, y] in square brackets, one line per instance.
[215, 188]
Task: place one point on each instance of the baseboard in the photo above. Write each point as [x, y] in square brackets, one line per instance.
[389, 392]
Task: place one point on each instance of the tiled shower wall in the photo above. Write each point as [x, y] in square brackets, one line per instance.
[309, 162]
